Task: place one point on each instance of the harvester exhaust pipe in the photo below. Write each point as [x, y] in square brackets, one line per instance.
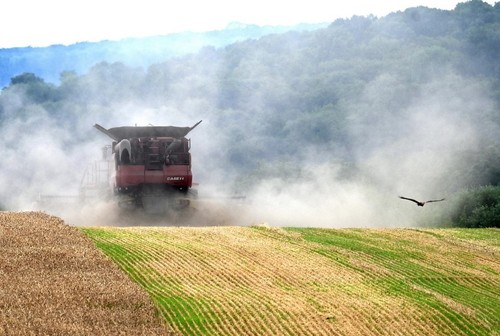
[192, 128]
[105, 131]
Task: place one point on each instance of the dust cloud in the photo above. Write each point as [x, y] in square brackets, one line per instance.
[413, 152]
[416, 153]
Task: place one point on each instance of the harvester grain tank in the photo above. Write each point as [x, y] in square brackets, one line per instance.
[152, 166]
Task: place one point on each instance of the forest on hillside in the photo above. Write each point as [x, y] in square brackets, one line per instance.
[48, 62]
[367, 106]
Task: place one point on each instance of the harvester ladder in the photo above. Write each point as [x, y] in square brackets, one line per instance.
[153, 156]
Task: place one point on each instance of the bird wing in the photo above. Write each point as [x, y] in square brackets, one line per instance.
[439, 200]
[409, 199]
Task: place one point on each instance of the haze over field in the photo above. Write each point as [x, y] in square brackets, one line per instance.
[406, 156]
[325, 128]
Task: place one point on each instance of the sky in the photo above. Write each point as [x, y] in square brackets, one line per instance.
[41, 23]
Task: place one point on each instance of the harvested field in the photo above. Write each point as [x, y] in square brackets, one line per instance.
[55, 282]
[245, 280]
[269, 281]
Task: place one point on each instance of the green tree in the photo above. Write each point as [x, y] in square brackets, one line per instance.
[35, 88]
[478, 208]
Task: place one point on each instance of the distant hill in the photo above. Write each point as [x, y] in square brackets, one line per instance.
[49, 62]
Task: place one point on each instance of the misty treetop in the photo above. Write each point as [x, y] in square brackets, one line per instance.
[411, 96]
[49, 62]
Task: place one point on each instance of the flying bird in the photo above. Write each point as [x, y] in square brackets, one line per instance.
[419, 203]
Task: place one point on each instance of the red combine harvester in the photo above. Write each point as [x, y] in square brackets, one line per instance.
[152, 167]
